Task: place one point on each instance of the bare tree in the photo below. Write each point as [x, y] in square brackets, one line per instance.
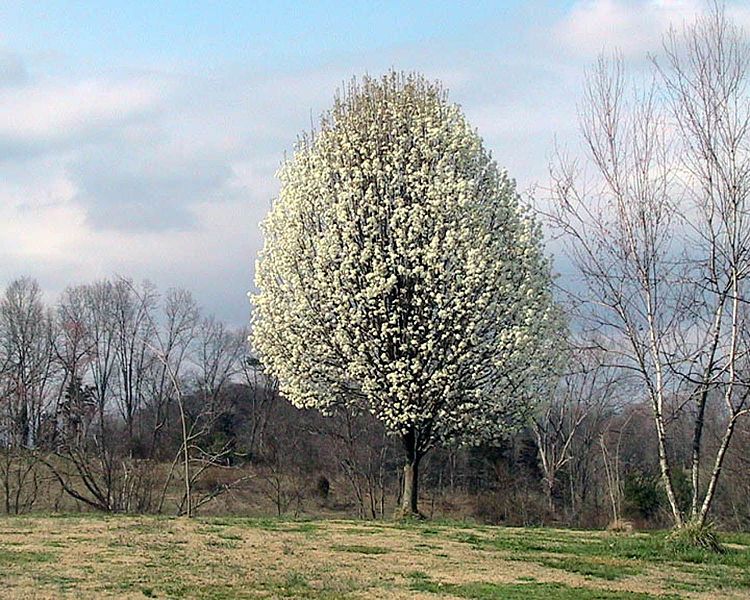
[620, 236]
[584, 396]
[264, 390]
[217, 358]
[611, 460]
[705, 76]
[27, 360]
[170, 343]
[363, 453]
[662, 240]
[27, 373]
[214, 354]
[87, 350]
[104, 362]
[133, 323]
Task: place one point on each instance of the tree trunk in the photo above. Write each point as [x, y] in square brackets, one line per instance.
[409, 504]
[549, 485]
[666, 477]
[410, 490]
[664, 466]
[695, 468]
[711, 491]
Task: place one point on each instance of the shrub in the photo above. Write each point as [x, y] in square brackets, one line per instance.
[695, 536]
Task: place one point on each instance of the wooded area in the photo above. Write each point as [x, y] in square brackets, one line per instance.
[118, 398]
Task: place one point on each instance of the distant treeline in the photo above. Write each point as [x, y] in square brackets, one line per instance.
[119, 398]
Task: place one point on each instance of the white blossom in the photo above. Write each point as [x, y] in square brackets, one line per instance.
[401, 272]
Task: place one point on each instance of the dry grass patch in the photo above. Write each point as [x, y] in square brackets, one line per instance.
[137, 557]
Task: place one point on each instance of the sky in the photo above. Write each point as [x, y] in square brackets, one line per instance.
[141, 138]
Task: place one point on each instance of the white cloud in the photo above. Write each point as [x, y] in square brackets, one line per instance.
[12, 69]
[632, 27]
[49, 112]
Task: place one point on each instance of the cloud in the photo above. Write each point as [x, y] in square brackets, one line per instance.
[154, 177]
[51, 115]
[632, 27]
[141, 189]
[12, 69]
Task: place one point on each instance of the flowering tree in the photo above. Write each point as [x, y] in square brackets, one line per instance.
[401, 275]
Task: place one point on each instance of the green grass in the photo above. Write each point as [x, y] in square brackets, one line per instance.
[296, 585]
[10, 557]
[593, 567]
[611, 556]
[526, 591]
[523, 589]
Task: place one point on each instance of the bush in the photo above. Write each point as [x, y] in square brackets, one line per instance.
[642, 495]
[694, 536]
[324, 487]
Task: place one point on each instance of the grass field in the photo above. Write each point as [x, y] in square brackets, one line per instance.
[150, 557]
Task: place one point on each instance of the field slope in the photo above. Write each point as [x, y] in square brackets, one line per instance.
[91, 556]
